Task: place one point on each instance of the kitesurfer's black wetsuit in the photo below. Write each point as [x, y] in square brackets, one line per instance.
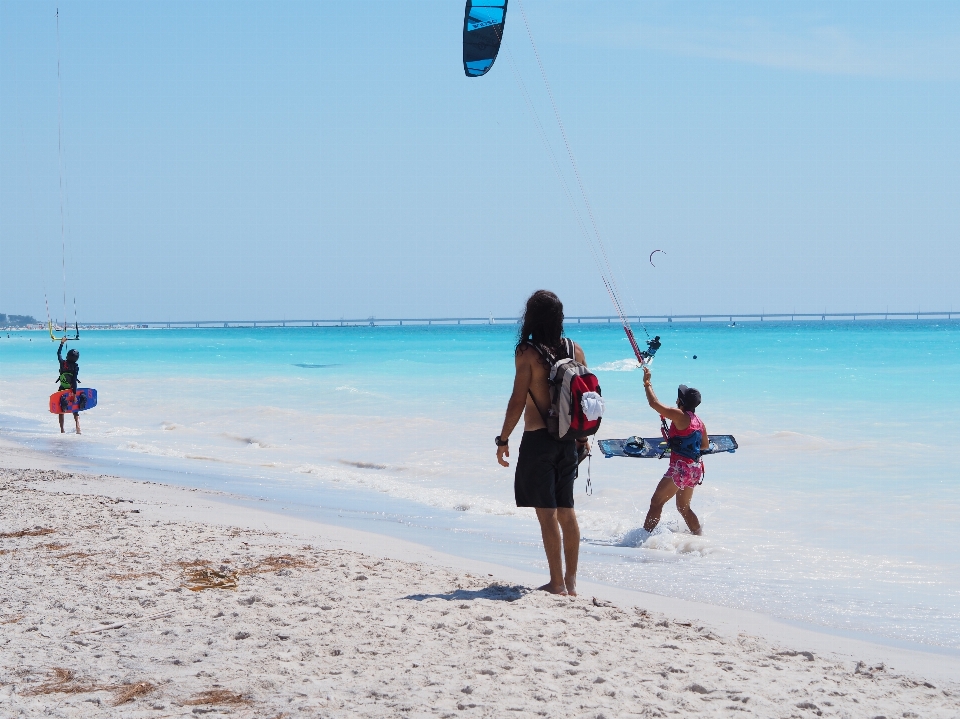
[68, 372]
[652, 347]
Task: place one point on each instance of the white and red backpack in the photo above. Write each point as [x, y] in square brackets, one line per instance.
[576, 406]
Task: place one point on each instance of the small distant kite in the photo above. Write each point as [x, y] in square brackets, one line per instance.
[652, 254]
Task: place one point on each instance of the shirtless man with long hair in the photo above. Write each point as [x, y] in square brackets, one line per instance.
[546, 467]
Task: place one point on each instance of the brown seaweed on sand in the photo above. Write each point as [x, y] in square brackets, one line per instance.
[64, 681]
[38, 532]
[217, 696]
[78, 555]
[54, 546]
[128, 692]
[276, 563]
[199, 575]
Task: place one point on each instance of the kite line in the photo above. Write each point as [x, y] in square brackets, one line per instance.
[594, 239]
[63, 241]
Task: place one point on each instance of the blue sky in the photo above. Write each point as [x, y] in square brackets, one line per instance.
[260, 160]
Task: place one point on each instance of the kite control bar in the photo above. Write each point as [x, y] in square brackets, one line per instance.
[75, 338]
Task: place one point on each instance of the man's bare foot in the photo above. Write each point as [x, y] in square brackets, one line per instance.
[552, 589]
[61, 430]
[571, 584]
[78, 430]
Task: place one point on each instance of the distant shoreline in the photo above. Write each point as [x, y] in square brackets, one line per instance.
[592, 319]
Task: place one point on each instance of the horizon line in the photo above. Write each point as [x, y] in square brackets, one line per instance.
[373, 321]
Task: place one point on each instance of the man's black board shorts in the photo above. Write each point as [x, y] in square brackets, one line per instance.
[546, 469]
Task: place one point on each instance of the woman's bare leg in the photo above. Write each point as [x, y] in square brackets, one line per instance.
[684, 497]
[664, 493]
[61, 422]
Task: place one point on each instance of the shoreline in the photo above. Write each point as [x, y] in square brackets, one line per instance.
[228, 510]
[371, 541]
[763, 658]
[15, 455]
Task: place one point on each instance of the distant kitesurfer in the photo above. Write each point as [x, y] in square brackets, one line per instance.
[69, 369]
[546, 467]
[652, 347]
[687, 437]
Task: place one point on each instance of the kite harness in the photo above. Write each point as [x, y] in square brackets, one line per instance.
[69, 369]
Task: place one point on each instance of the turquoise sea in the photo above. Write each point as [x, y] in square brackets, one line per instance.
[839, 510]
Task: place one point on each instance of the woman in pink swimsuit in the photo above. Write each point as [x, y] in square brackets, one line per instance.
[688, 437]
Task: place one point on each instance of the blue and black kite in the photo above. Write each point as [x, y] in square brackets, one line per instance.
[482, 32]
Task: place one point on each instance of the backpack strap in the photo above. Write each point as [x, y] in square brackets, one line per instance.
[550, 359]
[535, 404]
[544, 352]
[567, 345]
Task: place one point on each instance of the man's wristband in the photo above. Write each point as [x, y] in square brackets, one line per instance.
[502, 442]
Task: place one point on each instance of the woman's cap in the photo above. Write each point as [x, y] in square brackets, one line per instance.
[689, 397]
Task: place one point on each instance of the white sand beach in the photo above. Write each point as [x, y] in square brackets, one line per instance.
[102, 614]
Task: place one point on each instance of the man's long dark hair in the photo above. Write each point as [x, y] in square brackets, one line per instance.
[542, 322]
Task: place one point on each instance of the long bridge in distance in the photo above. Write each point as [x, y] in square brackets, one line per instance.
[593, 319]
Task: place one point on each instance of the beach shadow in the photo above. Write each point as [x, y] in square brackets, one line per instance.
[494, 592]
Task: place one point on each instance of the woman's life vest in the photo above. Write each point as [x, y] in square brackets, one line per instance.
[684, 443]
